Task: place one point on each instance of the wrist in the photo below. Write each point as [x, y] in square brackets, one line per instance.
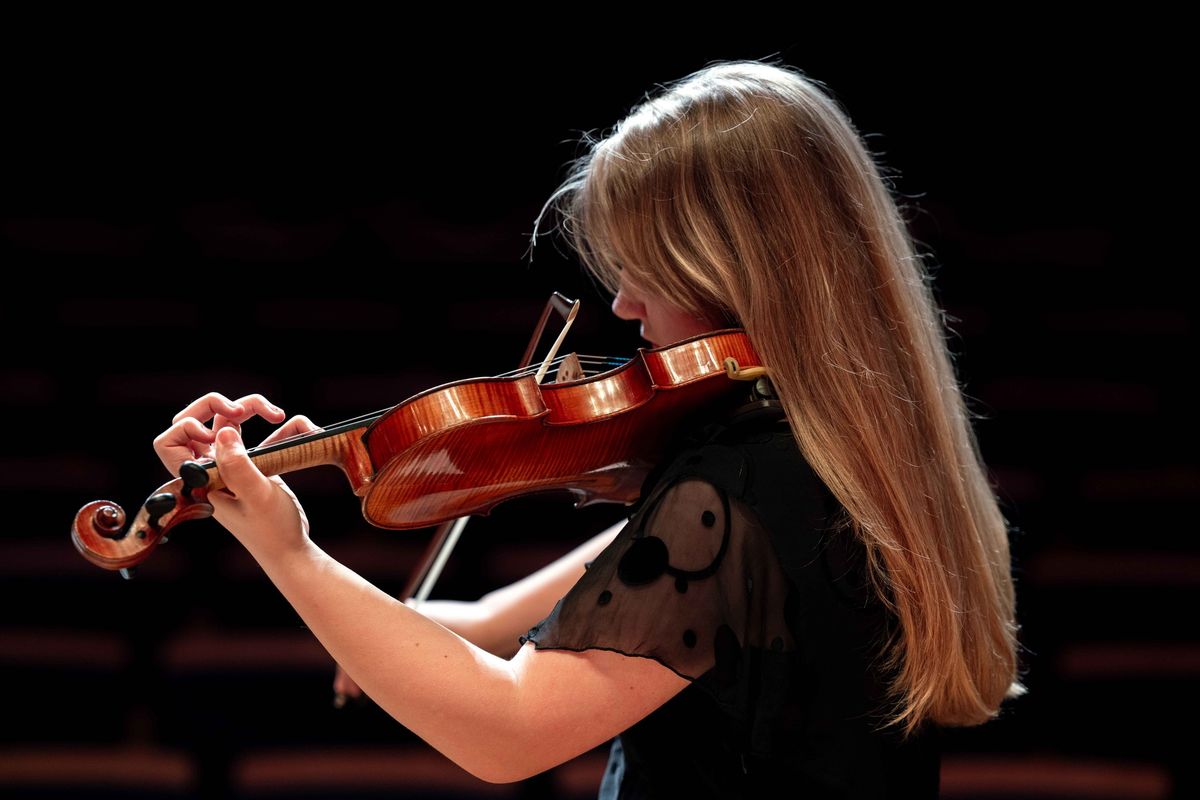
[280, 561]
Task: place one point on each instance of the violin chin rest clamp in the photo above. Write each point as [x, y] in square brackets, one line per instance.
[737, 373]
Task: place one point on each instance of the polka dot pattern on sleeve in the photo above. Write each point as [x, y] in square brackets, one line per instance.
[690, 582]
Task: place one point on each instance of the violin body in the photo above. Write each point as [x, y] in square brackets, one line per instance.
[465, 447]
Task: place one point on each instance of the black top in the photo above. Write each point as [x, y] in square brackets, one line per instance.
[732, 573]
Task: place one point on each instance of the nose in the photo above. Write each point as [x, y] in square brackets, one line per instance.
[626, 306]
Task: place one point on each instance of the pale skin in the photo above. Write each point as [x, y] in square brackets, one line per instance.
[452, 672]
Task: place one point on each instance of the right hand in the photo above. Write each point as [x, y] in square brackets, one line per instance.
[344, 687]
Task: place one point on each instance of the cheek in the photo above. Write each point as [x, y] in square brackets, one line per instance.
[676, 323]
[681, 319]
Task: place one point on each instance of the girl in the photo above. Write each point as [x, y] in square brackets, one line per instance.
[806, 591]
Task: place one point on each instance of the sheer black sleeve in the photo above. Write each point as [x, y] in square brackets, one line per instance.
[739, 572]
[696, 576]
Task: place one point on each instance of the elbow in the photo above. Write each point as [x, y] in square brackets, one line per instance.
[499, 775]
[499, 747]
[497, 768]
[493, 761]
[511, 756]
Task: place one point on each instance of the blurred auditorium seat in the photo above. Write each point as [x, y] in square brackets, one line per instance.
[227, 689]
[1049, 777]
[579, 779]
[351, 773]
[1028, 777]
[49, 672]
[1119, 664]
[91, 773]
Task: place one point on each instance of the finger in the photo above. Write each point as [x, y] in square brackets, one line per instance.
[201, 451]
[250, 408]
[295, 426]
[257, 404]
[182, 442]
[242, 478]
[240, 410]
[204, 408]
[222, 421]
[251, 405]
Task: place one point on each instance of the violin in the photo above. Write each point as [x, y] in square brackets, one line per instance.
[464, 447]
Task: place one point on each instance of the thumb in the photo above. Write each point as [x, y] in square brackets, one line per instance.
[238, 472]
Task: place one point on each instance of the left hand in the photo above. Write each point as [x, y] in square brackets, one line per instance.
[262, 512]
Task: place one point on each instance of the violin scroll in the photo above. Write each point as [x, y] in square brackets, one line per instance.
[100, 535]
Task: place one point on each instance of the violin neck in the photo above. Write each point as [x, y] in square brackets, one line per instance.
[342, 447]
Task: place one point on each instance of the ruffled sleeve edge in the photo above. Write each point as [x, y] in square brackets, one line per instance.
[539, 646]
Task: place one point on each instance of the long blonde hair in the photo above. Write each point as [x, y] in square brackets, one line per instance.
[745, 187]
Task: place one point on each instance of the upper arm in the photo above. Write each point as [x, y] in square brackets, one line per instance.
[571, 702]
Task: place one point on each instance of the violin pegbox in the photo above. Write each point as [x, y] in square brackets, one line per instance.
[101, 536]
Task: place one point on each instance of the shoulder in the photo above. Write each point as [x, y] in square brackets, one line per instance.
[752, 457]
[754, 462]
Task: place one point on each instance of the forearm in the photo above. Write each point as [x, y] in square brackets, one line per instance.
[495, 621]
[458, 698]
[503, 615]
[478, 621]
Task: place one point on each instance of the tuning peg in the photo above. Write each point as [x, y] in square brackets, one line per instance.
[194, 476]
[128, 573]
[159, 504]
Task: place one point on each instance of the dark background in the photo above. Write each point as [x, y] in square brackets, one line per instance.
[339, 232]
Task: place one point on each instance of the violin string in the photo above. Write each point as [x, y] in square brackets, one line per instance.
[362, 420]
[599, 362]
[591, 365]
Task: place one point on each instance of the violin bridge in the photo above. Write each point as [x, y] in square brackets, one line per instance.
[569, 369]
